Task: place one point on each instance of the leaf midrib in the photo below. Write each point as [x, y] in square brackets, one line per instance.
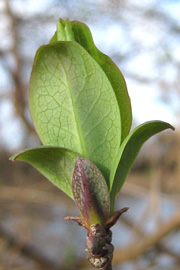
[75, 114]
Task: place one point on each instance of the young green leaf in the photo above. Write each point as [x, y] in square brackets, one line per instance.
[129, 151]
[82, 35]
[64, 31]
[55, 163]
[90, 192]
[73, 105]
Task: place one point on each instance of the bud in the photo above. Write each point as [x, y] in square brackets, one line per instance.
[90, 192]
[64, 31]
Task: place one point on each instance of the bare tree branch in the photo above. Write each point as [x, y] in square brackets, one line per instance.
[159, 246]
[19, 93]
[28, 249]
[140, 247]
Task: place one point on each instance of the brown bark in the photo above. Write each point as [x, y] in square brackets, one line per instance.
[99, 248]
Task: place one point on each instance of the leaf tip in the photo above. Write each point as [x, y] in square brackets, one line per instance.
[13, 158]
[112, 220]
[170, 126]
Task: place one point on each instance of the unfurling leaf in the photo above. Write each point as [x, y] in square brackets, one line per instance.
[90, 192]
[79, 32]
[73, 105]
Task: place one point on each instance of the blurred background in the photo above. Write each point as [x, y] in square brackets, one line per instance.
[143, 39]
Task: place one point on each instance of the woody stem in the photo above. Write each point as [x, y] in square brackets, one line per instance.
[99, 248]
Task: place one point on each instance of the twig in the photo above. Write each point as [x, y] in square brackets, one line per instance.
[138, 248]
[20, 104]
[27, 249]
[134, 190]
[140, 233]
[155, 195]
[20, 194]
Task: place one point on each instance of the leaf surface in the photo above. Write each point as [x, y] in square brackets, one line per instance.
[80, 32]
[90, 192]
[55, 163]
[129, 151]
[73, 105]
[83, 36]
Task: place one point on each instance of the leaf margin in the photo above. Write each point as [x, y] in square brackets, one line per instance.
[23, 156]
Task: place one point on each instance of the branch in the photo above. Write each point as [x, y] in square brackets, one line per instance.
[160, 247]
[20, 104]
[27, 249]
[24, 195]
[136, 249]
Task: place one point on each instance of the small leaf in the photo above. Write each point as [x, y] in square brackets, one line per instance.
[82, 35]
[129, 151]
[90, 192]
[64, 31]
[114, 218]
[73, 105]
[80, 221]
[55, 163]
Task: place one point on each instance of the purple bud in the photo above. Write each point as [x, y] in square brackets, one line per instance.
[90, 192]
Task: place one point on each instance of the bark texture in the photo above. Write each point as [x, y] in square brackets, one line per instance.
[99, 248]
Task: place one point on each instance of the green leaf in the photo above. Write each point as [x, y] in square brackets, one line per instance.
[129, 151]
[64, 31]
[73, 105]
[90, 192]
[82, 35]
[55, 163]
